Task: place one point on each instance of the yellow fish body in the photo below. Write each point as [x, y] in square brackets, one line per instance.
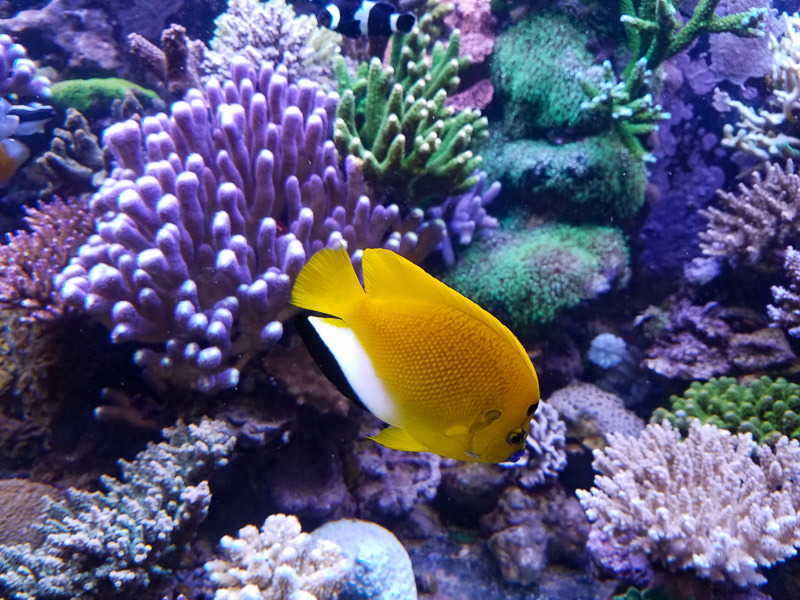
[445, 374]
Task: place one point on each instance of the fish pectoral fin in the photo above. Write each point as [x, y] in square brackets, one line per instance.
[464, 435]
[456, 431]
[397, 438]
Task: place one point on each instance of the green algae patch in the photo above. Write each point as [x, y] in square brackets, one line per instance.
[594, 178]
[94, 97]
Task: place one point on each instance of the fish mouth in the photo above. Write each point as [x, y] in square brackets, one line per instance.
[517, 455]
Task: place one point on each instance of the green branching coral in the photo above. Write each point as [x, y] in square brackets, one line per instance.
[655, 32]
[766, 408]
[527, 277]
[395, 119]
[632, 116]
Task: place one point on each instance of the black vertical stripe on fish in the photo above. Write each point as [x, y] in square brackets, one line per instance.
[379, 21]
[325, 360]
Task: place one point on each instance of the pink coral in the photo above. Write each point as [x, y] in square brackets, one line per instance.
[478, 27]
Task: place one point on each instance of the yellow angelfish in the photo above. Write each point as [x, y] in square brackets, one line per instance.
[445, 374]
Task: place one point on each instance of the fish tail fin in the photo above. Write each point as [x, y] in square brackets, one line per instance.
[403, 23]
[327, 283]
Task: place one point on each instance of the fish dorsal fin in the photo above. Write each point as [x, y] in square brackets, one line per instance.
[327, 283]
[389, 275]
[398, 438]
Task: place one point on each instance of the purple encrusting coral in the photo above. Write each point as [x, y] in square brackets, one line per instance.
[210, 215]
[18, 73]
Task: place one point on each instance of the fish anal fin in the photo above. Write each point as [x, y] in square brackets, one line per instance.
[398, 438]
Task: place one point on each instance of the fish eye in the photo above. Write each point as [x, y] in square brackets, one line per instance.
[531, 408]
[515, 438]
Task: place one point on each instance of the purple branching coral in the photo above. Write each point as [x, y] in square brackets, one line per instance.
[211, 213]
[465, 214]
[756, 224]
[545, 447]
[31, 259]
[18, 73]
[787, 312]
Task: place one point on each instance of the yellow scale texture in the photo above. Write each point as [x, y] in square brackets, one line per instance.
[442, 366]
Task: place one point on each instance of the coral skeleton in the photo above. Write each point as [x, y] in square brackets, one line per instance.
[786, 311]
[279, 562]
[701, 503]
[755, 225]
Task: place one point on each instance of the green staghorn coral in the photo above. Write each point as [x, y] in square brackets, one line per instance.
[616, 102]
[655, 32]
[527, 277]
[396, 120]
[766, 408]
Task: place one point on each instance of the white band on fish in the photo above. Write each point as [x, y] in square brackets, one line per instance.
[336, 15]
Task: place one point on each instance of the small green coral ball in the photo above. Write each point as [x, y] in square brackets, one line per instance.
[767, 408]
[527, 277]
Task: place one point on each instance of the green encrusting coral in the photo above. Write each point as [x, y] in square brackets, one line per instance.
[537, 67]
[527, 277]
[394, 118]
[655, 594]
[550, 153]
[767, 408]
[596, 177]
[93, 96]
